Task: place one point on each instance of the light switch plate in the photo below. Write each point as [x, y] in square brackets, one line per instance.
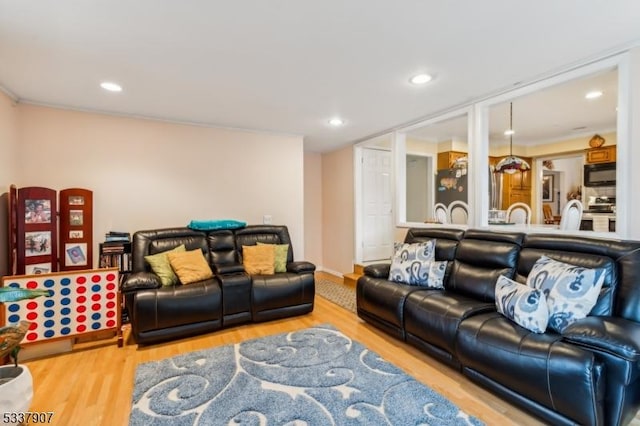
[267, 219]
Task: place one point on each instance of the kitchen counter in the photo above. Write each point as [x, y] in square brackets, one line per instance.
[587, 221]
[589, 216]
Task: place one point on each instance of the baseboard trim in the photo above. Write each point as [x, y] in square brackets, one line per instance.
[330, 271]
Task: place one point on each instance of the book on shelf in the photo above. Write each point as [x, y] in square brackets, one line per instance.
[122, 261]
[117, 236]
[116, 239]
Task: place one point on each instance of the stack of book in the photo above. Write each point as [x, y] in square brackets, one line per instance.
[113, 236]
[116, 251]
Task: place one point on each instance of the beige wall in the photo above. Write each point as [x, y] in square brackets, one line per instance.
[580, 144]
[313, 208]
[8, 168]
[147, 174]
[337, 211]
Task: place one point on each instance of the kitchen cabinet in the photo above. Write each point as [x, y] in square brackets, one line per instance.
[446, 159]
[518, 196]
[587, 225]
[603, 154]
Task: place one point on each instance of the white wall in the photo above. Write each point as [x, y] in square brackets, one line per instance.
[148, 174]
[8, 168]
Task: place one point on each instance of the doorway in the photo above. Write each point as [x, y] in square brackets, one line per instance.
[377, 201]
[561, 182]
[419, 188]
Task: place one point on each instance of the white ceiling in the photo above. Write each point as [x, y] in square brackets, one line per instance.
[546, 116]
[288, 66]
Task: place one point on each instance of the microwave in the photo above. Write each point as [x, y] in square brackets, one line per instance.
[603, 174]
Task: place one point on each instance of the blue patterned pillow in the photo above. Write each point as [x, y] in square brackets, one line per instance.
[523, 305]
[435, 276]
[411, 263]
[571, 291]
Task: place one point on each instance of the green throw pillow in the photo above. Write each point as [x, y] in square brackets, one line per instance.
[161, 267]
[282, 250]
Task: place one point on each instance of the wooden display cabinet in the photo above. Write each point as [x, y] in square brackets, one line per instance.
[33, 243]
[49, 234]
[76, 229]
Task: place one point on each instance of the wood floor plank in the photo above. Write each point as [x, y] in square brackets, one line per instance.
[93, 384]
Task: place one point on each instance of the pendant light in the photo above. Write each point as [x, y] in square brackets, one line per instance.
[511, 164]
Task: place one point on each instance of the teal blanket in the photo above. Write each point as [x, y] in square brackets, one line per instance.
[212, 225]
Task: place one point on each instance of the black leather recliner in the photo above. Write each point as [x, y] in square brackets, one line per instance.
[231, 297]
[589, 374]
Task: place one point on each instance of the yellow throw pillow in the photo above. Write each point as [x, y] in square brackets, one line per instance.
[280, 263]
[259, 259]
[160, 265]
[190, 266]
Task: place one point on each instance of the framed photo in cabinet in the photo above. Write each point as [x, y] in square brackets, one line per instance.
[76, 200]
[37, 211]
[37, 268]
[37, 243]
[547, 188]
[75, 234]
[75, 218]
[75, 254]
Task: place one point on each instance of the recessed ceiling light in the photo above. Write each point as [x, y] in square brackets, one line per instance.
[110, 86]
[336, 121]
[593, 95]
[420, 79]
[509, 132]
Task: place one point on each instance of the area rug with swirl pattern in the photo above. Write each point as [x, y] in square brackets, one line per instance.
[314, 376]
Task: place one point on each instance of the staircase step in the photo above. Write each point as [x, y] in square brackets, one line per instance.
[358, 269]
[351, 279]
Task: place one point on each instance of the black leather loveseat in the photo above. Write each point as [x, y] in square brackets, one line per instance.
[588, 374]
[230, 297]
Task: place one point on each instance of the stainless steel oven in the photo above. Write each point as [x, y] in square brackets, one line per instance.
[603, 174]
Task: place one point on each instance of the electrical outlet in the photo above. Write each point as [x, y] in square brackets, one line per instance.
[267, 219]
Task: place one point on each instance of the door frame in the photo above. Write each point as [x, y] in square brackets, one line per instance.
[358, 194]
[432, 160]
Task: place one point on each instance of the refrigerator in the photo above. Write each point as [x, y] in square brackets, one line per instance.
[451, 185]
[495, 189]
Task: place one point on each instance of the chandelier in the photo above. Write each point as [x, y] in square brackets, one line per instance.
[511, 164]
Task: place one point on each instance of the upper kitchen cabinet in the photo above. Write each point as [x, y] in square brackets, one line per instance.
[517, 187]
[447, 159]
[604, 154]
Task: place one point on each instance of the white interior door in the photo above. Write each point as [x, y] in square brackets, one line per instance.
[377, 205]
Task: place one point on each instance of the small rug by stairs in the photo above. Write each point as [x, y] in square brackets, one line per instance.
[314, 376]
[339, 294]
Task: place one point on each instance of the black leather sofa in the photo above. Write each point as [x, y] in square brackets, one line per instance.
[587, 375]
[159, 313]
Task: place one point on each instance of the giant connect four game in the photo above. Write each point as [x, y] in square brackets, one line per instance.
[81, 302]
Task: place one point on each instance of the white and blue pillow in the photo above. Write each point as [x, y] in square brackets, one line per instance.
[435, 276]
[414, 264]
[571, 291]
[521, 304]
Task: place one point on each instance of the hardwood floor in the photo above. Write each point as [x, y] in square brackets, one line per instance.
[93, 384]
